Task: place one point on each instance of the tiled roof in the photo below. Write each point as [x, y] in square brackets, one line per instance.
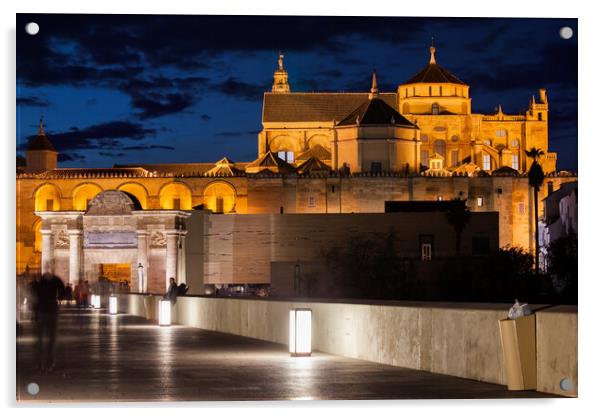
[433, 73]
[315, 107]
[375, 111]
[269, 162]
[319, 152]
[181, 169]
[64, 173]
[312, 165]
[41, 142]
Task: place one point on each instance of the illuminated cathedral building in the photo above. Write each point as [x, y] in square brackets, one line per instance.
[318, 153]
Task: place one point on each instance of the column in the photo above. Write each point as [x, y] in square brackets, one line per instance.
[47, 251]
[171, 257]
[142, 260]
[75, 262]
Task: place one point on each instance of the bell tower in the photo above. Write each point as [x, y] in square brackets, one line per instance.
[281, 77]
[41, 154]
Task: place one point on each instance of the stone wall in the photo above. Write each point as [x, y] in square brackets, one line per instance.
[448, 338]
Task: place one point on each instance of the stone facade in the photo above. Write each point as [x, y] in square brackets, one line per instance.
[111, 231]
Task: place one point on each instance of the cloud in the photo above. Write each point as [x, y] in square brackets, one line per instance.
[241, 89]
[32, 102]
[111, 154]
[236, 133]
[99, 136]
[70, 157]
[149, 146]
[157, 104]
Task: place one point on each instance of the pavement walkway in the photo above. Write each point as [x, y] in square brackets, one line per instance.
[120, 358]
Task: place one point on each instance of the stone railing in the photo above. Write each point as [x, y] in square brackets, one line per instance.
[458, 339]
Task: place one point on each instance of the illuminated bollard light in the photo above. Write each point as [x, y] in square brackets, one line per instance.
[300, 332]
[164, 312]
[113, 305]
[96, 301]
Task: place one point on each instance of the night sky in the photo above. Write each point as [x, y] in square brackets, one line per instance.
[152, 89]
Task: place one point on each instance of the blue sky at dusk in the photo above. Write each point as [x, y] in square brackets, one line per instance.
[152, 89]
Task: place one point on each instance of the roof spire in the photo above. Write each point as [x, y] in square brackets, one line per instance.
[41, 131]
[432, 49]
[374, 89]
[281, 77]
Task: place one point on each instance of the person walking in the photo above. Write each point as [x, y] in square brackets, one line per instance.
[46, 292]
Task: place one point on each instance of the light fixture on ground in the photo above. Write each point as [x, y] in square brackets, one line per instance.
[300, 332]
[164, 312]
[95, 300]
[113, 305]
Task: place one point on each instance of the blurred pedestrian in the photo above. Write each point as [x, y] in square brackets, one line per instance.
[47, 290]
[172, 291]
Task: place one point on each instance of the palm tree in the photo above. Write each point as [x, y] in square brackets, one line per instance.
[536, 177]
[458, 216]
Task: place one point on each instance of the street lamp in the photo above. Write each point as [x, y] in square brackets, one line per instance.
[140, 277]
[300, 332]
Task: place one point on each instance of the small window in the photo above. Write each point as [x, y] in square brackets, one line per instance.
[311, 202]
[424, 137]
[515, 162]
[425, 251]
[550, 187]
[480, 245]
[430, 91]
[440, 90]
[487, 142]
[500, 133]
[287, 156]
[435, 108]
[486, 162]
[332, 189]
[50, 205]
[514, 143]
[376, 167]
[426, 247]
[176, 203]
[539, 117]
[479, 201]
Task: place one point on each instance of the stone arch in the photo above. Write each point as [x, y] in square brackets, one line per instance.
[319, 140]
[137, 190]
[175, 191]
[285, 143]
[83, 194]
[220, 196]
[47, 197]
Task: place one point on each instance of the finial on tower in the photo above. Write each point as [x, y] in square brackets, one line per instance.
[432, 49]
[374, 88]
[280, 61]
[41, 131]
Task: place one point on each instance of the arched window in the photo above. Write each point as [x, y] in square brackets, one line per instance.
[83, 194]
[175, 196]
[220, 197]
[435, 108]
[137, 191]
[47, 198]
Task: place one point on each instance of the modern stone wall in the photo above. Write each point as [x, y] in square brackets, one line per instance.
[456, 339]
